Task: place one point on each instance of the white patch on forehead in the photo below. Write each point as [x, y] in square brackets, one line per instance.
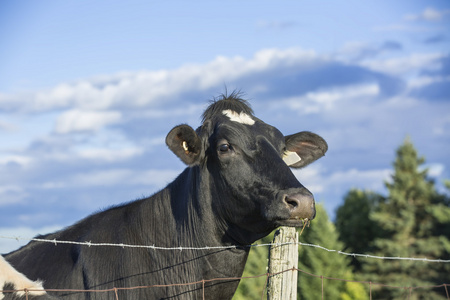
[291, 158]
[242, 118]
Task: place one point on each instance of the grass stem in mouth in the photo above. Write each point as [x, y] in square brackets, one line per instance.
[305, 222]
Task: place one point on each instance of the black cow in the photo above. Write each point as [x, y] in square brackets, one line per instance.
[236, 189]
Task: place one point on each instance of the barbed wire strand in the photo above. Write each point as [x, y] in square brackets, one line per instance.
[203, 281]
[180, 248]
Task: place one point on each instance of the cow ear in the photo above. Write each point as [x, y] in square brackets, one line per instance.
[185, 143]
[303, 148]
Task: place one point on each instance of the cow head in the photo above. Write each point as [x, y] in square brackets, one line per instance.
[248, 164]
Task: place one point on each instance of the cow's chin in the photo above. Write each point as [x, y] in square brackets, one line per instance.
[292, 222]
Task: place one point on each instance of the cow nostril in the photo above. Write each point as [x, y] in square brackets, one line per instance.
[291, 202]
[300, 205]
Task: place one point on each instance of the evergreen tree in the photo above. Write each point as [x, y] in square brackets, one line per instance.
[407, 224]
[319, 262]
[440, 213]
[356, 229]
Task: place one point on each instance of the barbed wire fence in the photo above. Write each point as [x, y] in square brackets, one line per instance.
[115, 290]
[182, 248]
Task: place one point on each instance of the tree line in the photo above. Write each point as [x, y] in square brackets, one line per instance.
[412, 220]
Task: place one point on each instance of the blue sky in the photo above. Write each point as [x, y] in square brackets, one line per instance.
[89, 89]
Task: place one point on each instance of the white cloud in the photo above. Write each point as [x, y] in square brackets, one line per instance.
[15, 159]
[429, 14]
[402, 27]
[8, 127]
[115, 177]
[423, 81]
[183, 111]
[363, 179]
[76, 120]
[159, 178]
[330, 98]
[151, 88]
[11, 194]
[435, 170]
[404, 64]
[107, 154]
[317, 179]
[101, 178]
[331, 186]
[311, 177]
[354, 51]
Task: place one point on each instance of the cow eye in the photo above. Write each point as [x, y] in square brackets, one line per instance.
[224, 148]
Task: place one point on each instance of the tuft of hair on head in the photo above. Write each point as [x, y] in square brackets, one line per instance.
[233, 102]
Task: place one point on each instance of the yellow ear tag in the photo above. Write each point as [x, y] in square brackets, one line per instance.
[291, 158]
[185, 147]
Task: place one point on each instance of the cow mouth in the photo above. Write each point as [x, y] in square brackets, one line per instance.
[294, 222]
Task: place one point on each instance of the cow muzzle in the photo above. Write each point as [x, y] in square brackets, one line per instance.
[301, 207]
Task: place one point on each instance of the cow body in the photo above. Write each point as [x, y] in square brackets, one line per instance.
[235, 190]
[154, 221]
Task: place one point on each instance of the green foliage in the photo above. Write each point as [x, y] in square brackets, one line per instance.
[410, 223]
[322, 263]
[354, 291]
[354, 214]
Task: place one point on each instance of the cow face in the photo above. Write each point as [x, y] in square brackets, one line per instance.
[248, 162]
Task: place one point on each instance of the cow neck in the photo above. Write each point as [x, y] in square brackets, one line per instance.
[190, 221]
[195, 210]
[184, 214]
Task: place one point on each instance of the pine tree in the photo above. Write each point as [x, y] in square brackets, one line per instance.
[356, 229]
[407, 228]
[440, 212]
[319, 262]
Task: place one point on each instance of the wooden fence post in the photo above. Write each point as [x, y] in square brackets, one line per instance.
[283, 286]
